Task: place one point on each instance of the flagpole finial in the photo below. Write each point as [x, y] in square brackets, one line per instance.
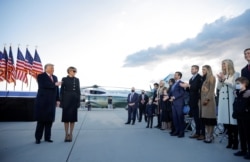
[10, 44]
[27, 46]
[19, 45]
[4, 44]
[36, 46]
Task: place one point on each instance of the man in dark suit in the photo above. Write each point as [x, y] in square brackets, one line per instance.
[132, 101]
[245, 124]
[177, 95]
[46, 101]
[143, 100]
[155, 104]
[194, 87]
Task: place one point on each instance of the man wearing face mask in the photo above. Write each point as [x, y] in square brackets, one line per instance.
[143, 100]
[132, 101]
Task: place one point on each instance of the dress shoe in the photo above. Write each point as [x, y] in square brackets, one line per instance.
[133, 123]
[49, 140]
[127, 123]
[247, 156]
[194, 136]
[240, 153]
[147, 126]
[235, 147]
[181, 135]
[174, 134]
[201, 137]
[38, 141]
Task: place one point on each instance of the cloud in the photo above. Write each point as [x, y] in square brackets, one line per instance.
[222, 38]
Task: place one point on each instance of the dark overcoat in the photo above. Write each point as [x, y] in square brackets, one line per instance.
[47, 95]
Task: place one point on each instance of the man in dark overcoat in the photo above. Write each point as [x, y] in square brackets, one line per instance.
[46, 101]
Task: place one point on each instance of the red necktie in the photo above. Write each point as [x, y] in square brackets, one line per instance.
[51, 78]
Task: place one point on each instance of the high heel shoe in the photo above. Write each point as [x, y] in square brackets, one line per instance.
[209, 140]
[66, 138]
[70, 137]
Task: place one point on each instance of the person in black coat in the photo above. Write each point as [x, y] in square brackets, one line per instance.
[70, 102]
[241, 112]
[150, 111]
[45, 103]
[194, 88]
[143, 100]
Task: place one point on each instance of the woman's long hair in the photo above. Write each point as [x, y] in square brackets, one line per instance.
[229, 67]
[209, 72]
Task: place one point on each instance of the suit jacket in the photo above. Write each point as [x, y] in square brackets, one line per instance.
[134, 99]
[194, 90]
[47, 95]
[154, 95]
[179, 93]
[246, 73]
[145, 99]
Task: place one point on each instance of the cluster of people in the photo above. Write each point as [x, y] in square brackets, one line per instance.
[232, 109]
[49, 97]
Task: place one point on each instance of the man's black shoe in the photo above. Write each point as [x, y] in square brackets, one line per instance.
[174, 134]
[38, 141]
[127, 123]
[240, 153]
[247, 156]
[49, 140]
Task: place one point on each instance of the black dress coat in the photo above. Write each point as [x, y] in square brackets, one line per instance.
[47, 95]
[194, 91]
[246, 73]
[70, 98]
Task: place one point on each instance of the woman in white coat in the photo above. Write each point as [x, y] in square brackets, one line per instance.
[226, 87]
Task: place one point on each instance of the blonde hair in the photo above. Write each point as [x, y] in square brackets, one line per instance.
[229, 67]
[160, 89]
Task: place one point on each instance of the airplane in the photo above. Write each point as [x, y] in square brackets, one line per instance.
[97, 96]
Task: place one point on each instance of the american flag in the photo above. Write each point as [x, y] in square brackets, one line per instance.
[28, 61]
[37, 67]
[3, 65]
[11, 71]
[1, 55]
[20, 67]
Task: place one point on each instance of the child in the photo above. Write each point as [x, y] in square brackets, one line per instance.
[150, 111]
[241, 112]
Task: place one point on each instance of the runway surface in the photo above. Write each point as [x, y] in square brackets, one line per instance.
[100, 135]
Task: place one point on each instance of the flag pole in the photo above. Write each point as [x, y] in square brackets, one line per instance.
[6, 73]
[30, 83]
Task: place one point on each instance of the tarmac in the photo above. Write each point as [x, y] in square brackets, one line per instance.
[100, 135]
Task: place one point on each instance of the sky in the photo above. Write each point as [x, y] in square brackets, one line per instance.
[126, 43]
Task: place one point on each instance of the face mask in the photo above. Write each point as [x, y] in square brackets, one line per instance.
[132, 90]
[238, 86]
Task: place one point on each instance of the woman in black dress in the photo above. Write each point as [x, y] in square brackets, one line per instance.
[70, 101]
